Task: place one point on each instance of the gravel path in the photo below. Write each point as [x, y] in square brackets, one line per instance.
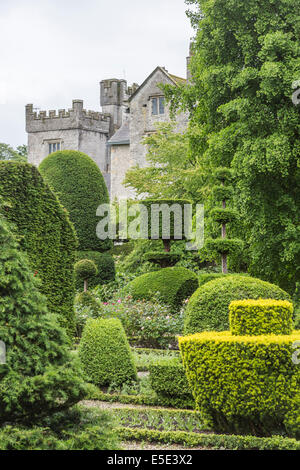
[108, 405]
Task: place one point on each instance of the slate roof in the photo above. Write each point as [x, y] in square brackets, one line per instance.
[176, 80]
[122, 136]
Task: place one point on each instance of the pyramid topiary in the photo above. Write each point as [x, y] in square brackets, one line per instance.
[39, 377]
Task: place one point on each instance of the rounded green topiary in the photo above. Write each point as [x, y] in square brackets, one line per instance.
[224, 245]
[208, 307]
[261, 317]
[171, 285]
[105, 266]
[85, 269]
[80, 186]
[223, 216]
[46, 234]
[40, 377]
[105, 353]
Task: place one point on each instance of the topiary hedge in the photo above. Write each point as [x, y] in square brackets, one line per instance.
[105, 353]
[168, 380]
[243, 384]
[257, 317]
[171, 285]
[105, 265]
[207, 309]
[80, 186]
[46, 234]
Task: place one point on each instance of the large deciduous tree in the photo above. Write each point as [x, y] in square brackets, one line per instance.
[246, 58]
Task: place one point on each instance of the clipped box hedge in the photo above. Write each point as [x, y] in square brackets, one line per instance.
[246, 384]
[168, 380]
[263, 316]
[105, 353]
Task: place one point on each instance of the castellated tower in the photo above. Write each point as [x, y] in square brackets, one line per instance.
[73, 129]
[113, 100]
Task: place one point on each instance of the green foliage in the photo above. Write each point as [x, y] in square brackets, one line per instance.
[244, 62]
[170, 168]
[105, 266]
[261, 317]
[85, 269]
[86, 299]
[223, 216]
[206, 277]
[46, 235]
[156, 229]
[163, 259]
[83, 430]
[105, 353]
[220, 193]
[208, 307]
[168, 379]
[147, 324]
[81, 188]
[224, 246]
[7, 153]
[211, 441]
[252, 384]
[171, 285]
[40, 376]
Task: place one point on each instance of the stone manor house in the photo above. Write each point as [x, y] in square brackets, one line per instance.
[113, 137]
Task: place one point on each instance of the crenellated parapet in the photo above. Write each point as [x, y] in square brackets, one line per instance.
[74, 118]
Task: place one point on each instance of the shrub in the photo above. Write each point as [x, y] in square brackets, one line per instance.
[105, 266]
[171, 285]
[245, 384]
[257, 317]
[105, 353]
[46, 234]
[168, 379]
[147, 324]
[86, 299]
[80, 186]
[84, 270]
[164, 260]
[207, 309]
[83, 430]
[40, 377]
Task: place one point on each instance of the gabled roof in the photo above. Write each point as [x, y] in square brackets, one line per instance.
[176, 80]
[122, 136]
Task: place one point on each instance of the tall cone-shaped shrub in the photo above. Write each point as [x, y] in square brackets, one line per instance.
[223, 216]
[39, 377]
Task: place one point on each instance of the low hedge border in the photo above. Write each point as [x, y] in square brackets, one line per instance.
[175, 403]
[161, 352]
[213, 441]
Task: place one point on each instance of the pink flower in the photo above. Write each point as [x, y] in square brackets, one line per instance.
[105, 303]
[119, 301]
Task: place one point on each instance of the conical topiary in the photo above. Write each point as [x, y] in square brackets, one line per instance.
[39, 377]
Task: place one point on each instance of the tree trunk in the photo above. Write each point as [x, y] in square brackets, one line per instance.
[224, 264]
[85, 285]
[167, 245]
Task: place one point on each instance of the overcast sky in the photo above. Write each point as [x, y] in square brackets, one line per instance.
[53, 51]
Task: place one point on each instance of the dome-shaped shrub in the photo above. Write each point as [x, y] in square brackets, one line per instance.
[105, 266]
[171, 285]
[208, 307]
[105, 353]
[46, 234]
[80, 187]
